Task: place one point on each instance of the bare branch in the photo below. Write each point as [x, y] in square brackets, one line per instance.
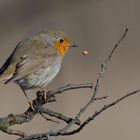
[13, 119]
[70, 87]
[48, 119]
[100, 98]
[29, 114]
[98, 82]
[88, 120]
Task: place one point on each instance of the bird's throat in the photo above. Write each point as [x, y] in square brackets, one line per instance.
[61, 49]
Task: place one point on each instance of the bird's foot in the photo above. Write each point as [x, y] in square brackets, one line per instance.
[46, 96]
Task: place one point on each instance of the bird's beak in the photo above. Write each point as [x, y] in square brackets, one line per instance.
[73, 45]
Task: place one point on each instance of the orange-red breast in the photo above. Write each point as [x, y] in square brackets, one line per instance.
[36, 60]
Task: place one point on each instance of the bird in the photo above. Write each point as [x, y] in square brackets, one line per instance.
[36, 60]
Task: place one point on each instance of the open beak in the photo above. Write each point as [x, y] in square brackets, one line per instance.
[73, 45]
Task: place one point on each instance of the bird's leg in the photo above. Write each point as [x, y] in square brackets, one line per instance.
[30, 104]
[43, 91]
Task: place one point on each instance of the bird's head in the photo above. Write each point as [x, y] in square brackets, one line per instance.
[60, 42]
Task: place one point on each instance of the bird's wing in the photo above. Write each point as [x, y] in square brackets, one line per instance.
[29, 65]
[26, 67]
[7, 70]
[25, 59]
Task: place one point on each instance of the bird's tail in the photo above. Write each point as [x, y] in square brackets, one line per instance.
[5, 77]
[6, 72]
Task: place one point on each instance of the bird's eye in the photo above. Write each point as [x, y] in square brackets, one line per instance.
[61, 40]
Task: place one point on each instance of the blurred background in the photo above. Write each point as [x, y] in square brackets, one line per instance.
[95, 25]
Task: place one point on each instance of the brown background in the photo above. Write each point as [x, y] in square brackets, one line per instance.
[95, 25]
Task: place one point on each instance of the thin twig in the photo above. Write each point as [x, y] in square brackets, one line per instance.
[70, 87]
[98, 82]
[100, 98]
[48, 119]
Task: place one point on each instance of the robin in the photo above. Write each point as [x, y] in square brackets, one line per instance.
[36, 61]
